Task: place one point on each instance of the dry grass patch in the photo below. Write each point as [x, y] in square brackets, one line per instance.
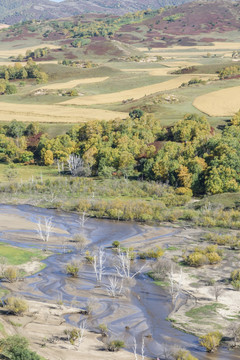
[73, 83]
[224, 102]
[54, 113]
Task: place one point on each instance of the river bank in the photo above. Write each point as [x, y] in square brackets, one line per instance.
[143, 311]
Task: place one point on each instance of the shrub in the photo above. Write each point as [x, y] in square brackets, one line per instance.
[182, 354]
[235, 275]
[152, 253]
[211, 341]
[72, 269]
[211, 254]
[236, 284]
[115, 244]
[115, 345]
[213, 258]
[72, 335]
[16, 306]
[81, 241]
[11, 89]
[103, 329]
[16, 348]
[11, 273]
[196, 259]
[89, 258]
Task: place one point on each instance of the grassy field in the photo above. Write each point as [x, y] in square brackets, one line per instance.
[16, 256]
[27, 172]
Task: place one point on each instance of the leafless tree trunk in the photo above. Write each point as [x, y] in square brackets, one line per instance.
[135, 348]
[143, 348]
[175, 286]
[83, 219]
[217, 291]
[75, 165]
[81, 333]
[98, 264]
[44, 229]
[123, 266]
[115, 286]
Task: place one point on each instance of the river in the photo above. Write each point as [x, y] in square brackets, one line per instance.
[142, 312]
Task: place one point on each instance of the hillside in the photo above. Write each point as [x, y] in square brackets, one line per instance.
[196, 23]
[15, 11]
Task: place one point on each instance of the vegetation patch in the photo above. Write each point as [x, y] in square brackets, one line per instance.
[16, 256]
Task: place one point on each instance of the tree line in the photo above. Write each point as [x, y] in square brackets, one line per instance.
[188, 156]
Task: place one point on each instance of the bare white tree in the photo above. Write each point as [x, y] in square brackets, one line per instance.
[115, 286]
[135, 348]
[77, 167]
[217, 291]
[123, 265]
[175, 285]
[83, 218]
[44, 228]
[98, 264]
[142, 348]
[81, 333]
[52, 196]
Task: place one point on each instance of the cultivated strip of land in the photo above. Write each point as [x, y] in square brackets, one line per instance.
[225, 102]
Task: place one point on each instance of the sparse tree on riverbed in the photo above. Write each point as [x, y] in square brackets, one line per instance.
[98, 264]
[123, 265]
[44, 228]
[114, 286]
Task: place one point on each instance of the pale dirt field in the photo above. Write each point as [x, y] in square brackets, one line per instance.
[73, 83]
[14, 222]
[45, 322]
[5, 54]
[4, 26]
[225, 102]
[136, 93]
[54, 113]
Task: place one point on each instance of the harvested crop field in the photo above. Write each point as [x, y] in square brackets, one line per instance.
[225, 102]
[136, 93]
[54, 113]
[73, 83]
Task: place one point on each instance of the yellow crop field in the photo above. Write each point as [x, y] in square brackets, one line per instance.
[136, 93]
[225, 102]
[54, 113]
[73, 83]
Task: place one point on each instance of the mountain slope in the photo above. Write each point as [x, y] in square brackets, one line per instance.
[20, 10]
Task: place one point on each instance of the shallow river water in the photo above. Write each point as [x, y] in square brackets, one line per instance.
[143, 312]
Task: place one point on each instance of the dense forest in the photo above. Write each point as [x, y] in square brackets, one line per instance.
[188, 156]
